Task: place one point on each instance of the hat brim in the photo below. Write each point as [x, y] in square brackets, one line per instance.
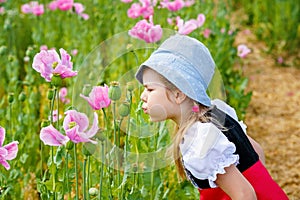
[174, 69]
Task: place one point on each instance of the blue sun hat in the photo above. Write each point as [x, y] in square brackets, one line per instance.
[186, 63]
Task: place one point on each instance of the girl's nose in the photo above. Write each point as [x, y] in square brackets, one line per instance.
[143, 96]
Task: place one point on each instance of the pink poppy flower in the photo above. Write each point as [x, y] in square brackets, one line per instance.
[43, 47]
[206, 33]
[33, 7]
[189, 3]
[98, 97]
[26, 8]
[76, 124]
[84, 16]
[145, 9]
[243, 50]
[38, 10]
[48, 63]
[62, 95]
[52, 137]
[52, 5]
[55, 116]
[146, 31]
[7, 152]
[280, 60]
[173, 5]
[187, 27]
[64, 4]
[74, 52]
[2, 10]
[78, 8]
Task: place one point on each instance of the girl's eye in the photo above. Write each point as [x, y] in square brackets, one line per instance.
[149, 89]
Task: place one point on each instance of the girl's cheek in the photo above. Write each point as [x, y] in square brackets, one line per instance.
[157, 112]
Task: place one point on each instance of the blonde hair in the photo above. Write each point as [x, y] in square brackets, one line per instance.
[202, 116]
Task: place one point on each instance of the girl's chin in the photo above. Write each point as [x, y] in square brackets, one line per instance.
[156, 119]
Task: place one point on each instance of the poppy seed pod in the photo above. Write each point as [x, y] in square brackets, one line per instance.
[88, 149]
[114, 91]
[87, 88]
[93, 191]
[10, 97]
[3, 50]
[124, 109]
[22, 97]
[130, 86]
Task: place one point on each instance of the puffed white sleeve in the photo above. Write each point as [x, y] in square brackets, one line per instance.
[206, 151]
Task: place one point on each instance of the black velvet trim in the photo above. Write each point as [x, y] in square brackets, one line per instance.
[236, 135]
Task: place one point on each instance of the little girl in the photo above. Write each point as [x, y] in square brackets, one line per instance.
[211, 147]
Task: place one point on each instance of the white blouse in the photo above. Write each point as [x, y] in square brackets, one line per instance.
[206, 151]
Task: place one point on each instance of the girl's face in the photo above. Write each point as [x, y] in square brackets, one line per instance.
[158, 100]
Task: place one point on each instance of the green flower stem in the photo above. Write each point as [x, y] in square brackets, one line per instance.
[41, 152]
[115, 123]
[53, 169]
[101, 168]
[107, 161]
[67, 175]
[128, 126]
[76, 170]
[118, 159]
[10, 122]
[88, 173]
[52, 148]
[52, 106]
[57, 123]
[115, 128]
[84, 177]
[153, 166]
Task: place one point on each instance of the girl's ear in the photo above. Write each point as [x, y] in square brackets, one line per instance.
[179, 96]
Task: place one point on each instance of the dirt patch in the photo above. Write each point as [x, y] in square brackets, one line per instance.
[273, 116]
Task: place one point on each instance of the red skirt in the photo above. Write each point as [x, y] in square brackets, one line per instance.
[258, 176]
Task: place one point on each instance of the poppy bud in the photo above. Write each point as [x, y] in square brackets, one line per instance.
[29, 52]
[10, 97]
[88, 149]
[45, 123]
[50, 94]
[3, 50]
[114, 91]
[70, 145]
[124, 109]
[93, 191]
[130, 86]
[87, 88]
[22, 97]
[11, 58]
[56, 80]
[135, 167]
[100, 136]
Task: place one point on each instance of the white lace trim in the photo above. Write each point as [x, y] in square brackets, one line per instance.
[225, 161]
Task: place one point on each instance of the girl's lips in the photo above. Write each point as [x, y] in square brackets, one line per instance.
[145, 110]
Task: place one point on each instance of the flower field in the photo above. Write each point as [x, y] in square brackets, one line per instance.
[71, 123]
